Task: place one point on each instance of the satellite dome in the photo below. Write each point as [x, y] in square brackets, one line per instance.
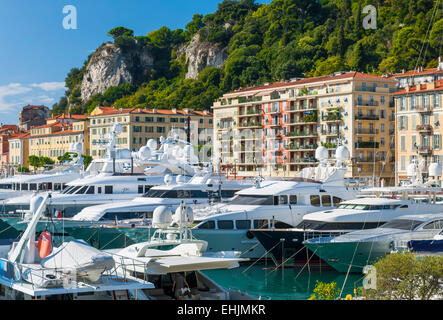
[321, 153]
[144, 153]
[117, 128]
[435, 169]
[168, 179]
[152, 144]
[342, 153]
[184, 216]
[162, 217]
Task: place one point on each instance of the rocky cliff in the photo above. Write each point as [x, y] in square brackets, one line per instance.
[111, 66]
[200, 55]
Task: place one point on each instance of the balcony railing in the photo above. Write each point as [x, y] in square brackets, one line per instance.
[424, 127]
[424, 149]
[331, 117]
[367, 117]
[366, 144]
[366, 103]
[366, 131]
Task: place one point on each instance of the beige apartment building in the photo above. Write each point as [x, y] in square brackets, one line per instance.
[140, 125]
[419, 125]
[18, 151]
[275, 129]
[54, 139]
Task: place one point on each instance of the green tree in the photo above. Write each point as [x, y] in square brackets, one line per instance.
[34, 161]
[22, 169]
[325, 291]
[406, 276]
[120, 31]
[87, 159]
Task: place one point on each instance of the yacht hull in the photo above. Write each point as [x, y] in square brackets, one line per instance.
[350, 256]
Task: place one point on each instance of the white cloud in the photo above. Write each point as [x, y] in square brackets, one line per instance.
[12, 89]
[49, 86]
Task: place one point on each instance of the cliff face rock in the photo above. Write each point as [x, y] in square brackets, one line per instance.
[111, 66]
[202, 54]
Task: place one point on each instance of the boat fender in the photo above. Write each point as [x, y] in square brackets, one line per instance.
[249, 235]
[44, 244]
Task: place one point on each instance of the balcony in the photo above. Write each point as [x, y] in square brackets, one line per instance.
[367, 117]
[295, 147]
[361, 103]
[366, 131]
[249, 124]
[331, 117]
[424, 128]
[369, 159]
[302, 133]
[424, 149]
[366, 144]
[424, 109]
[330, 132]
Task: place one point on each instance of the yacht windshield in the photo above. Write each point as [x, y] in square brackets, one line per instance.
[253, 200]
[402, 224]
[367, 206]
[176, 194]
[331, 226]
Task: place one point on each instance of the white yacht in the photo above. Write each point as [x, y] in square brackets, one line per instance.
[203, 188]
[173, 254]
[49, 180]
[351, 252]
[374, 207]
[122, 175]
[279, 204]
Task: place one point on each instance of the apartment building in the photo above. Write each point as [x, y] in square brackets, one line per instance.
[6, 132]
[54, 138]
[18, 151]
[419, 110]
[33, 116]
[274, 129]
[140, 125]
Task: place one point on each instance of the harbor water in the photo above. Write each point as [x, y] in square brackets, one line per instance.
[261, 281]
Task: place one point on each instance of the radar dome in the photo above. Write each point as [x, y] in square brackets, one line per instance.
[342, 153]
[168, 179]
[162, 139]
[321, 153]
[78, 147]
[144, 153]
[152, 144]
[435, 169]
[117, 128]
[162, 217]
[184, 216]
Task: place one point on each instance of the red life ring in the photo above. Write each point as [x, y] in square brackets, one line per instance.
[44, 244]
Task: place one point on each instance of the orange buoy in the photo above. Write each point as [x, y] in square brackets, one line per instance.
[44, 244]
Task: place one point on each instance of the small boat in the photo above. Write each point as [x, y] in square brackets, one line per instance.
[174, 256]
[74, 270]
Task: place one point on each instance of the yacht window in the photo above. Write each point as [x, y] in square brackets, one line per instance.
[40, 186]
[322, 225]
[336, 201]
[261, 224]
[281, 225]
[326, 201]
[147, 188]
[198, 194]
[434, 225]
[225, 224]
[108, 189]
[49, 186]
[90, 190]
[183, 194]
[210, 224]
[122, 215]
[140, 189]
[57, 186]
[99, 189]
[24, 186]
[315, 201]
[282, 199]
[292, 199]
[228, 193]
[402, 224]
[386, 207]
[243, 224]
[82, 190]
[405, 206]
[361, 207]
[253, 200]
[74, 189]
[67, 190]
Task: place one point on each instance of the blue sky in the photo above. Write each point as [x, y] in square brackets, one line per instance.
[37, 52]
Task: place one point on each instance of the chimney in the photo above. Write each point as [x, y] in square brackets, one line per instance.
[440, 64]
[174, 110]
